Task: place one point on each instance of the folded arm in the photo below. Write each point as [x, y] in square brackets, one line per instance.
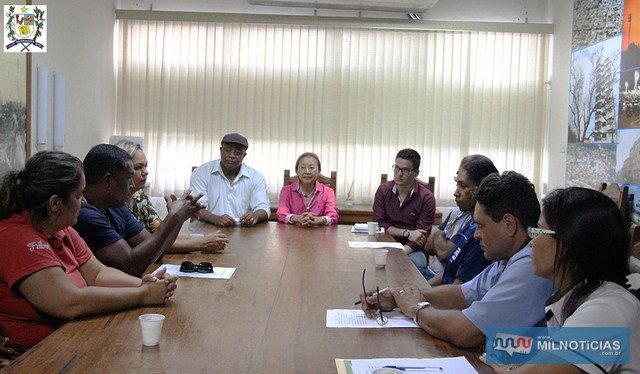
[135, 255]
[443, 318]
[450, 325]
[439, 246]
[51, 292]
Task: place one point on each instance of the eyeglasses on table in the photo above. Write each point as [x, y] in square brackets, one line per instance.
[380, 318]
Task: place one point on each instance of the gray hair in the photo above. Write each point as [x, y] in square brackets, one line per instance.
[129, 146]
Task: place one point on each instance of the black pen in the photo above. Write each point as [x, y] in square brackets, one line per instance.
[416, 368]
[373, 294]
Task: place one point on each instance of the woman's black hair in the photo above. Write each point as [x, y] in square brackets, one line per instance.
[593, 242]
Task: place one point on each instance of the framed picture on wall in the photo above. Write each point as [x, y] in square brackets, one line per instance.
[15, 93]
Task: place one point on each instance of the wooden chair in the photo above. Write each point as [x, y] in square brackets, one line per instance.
[431, 185]
[617, 194]
[328, 181]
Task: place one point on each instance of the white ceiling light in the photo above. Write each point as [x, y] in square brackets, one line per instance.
[404, 6]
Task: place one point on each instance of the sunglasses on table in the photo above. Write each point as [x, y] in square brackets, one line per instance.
[190, 267]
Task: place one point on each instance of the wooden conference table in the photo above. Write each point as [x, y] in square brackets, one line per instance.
[268, 318]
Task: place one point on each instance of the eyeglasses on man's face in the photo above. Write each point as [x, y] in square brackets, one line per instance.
[534, 232]
[190, 267]
[380, 318]
[398, 170]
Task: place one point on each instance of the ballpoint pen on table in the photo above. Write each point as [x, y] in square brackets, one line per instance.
[415, 368]
[373, 294]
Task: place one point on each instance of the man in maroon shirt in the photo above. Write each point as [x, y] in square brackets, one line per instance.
[406, 208]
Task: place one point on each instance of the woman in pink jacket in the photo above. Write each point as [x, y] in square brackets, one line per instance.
[306, 201]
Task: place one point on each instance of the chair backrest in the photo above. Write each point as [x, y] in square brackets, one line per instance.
[617, 194]
[634, 259]
[328, 181]
[634, 234]
[431, 184]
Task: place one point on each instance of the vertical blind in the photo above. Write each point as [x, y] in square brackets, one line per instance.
[353, 96]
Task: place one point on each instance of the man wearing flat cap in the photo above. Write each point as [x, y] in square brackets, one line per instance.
[234, 193]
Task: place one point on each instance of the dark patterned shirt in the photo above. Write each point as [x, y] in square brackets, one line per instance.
[145, 213]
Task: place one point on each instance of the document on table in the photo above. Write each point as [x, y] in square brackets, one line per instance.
[218, 273]
[454, 365]
[354, 318]
[362, 228]
[354, 244]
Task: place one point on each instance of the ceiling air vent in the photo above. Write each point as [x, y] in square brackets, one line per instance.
[403, 6]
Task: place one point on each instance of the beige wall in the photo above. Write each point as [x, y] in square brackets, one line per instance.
[561, 14]
[80, 45]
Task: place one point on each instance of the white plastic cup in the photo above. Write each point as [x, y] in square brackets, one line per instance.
[151, 325]
[387, 371]
[380, 256]
[372, 228]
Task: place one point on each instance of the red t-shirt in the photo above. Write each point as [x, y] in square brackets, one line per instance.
[25, 251]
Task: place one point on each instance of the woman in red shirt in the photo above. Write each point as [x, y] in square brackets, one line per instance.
[47, 272]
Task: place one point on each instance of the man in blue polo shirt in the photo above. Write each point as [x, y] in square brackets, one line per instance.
[114, 236]
[505, 294]
[452, 242]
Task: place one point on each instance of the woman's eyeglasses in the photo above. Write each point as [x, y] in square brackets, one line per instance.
[380, 318]
[534, 232]
[190, 267]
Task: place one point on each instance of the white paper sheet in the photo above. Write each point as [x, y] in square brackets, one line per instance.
[362, 228]
[453, 365]
[218, 273]
[353, 318]
[354, 244]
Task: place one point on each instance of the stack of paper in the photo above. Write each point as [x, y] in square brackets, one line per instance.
[352, 318]
[457, 365]
[354, 244]
[362, 228]
[218, 273]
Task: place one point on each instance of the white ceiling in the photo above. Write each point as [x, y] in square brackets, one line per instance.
[533, 11]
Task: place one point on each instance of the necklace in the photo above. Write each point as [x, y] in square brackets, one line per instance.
[309, 194]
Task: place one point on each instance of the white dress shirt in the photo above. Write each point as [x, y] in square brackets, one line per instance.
[247, 193]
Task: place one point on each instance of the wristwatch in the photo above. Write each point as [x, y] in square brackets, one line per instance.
[406, 233]
[419, 307]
